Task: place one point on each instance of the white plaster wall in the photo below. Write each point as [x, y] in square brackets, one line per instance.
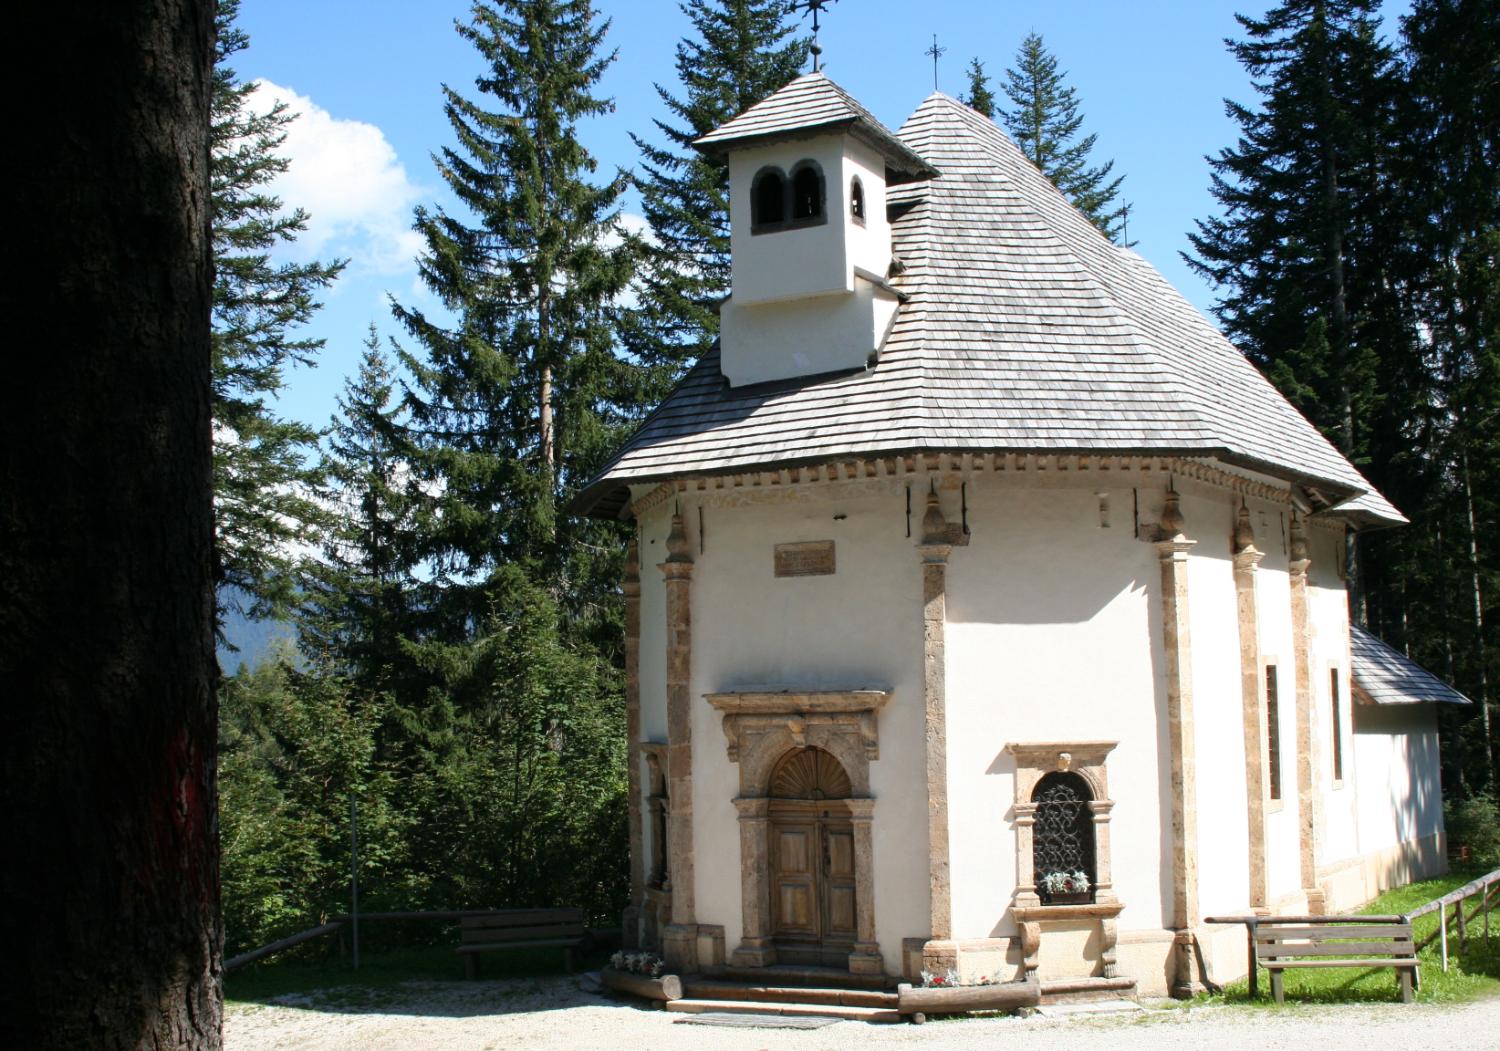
[869, 245]
[1328, 606]
[803, 337]
[1053, 635]
[1398, 782]
[858, 627]
[795, 263]
[1222, 824]
[1273, 595]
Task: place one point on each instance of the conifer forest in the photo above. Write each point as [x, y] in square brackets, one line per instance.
[457, 676]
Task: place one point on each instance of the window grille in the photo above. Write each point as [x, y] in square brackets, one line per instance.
[1063, 835]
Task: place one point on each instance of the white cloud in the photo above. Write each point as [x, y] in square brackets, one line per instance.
[347, 177]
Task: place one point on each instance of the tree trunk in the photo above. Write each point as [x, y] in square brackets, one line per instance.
[1481, 656]
[107, 735]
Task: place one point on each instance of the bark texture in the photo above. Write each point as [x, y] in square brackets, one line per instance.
[107, 733]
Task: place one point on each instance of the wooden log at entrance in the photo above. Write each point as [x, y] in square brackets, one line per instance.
[957, 999]
[667, 987]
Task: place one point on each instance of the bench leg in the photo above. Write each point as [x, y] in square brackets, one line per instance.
[1403, 979]
[1278, 989]
[471, 966]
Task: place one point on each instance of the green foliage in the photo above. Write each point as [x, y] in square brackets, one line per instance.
[264, 465]
[742, 51]
[980, 98]
[294, 747]
[1045, 123]
[1475, 823]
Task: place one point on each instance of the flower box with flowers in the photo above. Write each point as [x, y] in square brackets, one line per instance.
[1065, 888]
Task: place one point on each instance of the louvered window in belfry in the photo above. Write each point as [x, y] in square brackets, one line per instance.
[1063, 835]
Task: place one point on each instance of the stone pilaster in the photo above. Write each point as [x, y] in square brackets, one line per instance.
[1172, 550]
[755, 949]
[680, 939]
[1252, 697]
[935, 548]
[866, 957]
[1309, 806]
[631, 588]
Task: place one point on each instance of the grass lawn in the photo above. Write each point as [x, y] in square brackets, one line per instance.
[1471, 972]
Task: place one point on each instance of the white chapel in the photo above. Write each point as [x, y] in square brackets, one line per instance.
[985, 610]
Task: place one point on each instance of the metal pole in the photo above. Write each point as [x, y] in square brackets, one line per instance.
[354, 872]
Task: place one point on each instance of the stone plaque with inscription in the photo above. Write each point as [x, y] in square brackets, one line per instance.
[812, 558]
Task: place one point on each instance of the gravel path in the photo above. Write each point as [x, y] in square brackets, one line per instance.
[560, 1013]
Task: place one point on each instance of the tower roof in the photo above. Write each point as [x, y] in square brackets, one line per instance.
[814, 105]
[1024, 331]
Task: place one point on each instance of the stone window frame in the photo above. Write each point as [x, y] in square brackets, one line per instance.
[1034, 760]
[1273, 759]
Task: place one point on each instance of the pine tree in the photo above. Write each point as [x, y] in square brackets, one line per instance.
[1045, 122]
[743, 51]
[980, 98]
[263, 464]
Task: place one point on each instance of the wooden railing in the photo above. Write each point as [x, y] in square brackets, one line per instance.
[1487, 887]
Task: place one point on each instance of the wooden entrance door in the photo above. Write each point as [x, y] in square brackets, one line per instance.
[812, 860]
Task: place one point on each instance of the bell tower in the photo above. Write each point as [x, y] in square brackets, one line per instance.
[810, 242]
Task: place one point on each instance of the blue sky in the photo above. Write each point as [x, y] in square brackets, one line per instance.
[1151, 76]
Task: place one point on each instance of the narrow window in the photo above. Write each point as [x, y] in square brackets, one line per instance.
[1273, 731]
[1063, 837]
[857, 201]
[767, 199]
[807, 193]
[1338, 735]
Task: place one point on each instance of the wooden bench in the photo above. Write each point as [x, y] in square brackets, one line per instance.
[1331, 943]
[520, 929]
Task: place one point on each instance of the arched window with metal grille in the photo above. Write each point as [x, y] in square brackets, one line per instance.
[1063, 838]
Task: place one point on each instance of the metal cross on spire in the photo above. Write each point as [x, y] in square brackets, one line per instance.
[936, 53]
[814, 8]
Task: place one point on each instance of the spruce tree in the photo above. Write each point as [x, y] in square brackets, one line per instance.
[1045, 123]
[359, 605]
[264, 465]
[741, 52]
[980, 98]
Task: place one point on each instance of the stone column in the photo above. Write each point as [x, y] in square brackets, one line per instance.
[1309, 806]
[1104, 879]
[1252, 697]
[631, 588]
[866, 958]
[755, 949]
[1026, 894]
[680, 939]
[1172, 550]
[935, 547]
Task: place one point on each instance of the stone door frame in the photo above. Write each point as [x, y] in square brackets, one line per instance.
[762, 726]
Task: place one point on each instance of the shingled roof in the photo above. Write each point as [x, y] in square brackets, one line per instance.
[814, 105]
[1025, 330]
[1383, 675]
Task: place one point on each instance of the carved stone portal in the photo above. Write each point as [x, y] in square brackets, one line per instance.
[762, 727]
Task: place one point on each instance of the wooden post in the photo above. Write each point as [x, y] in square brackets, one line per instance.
[1463, 926]
[1443, 933]
[1250, 945]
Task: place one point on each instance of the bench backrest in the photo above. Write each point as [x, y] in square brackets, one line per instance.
[507, 925]
[1281, 940]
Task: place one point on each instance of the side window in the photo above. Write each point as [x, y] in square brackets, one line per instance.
[857, 201]
[767, 199]
[1273, 730]
[807, 192]
[1338, 725]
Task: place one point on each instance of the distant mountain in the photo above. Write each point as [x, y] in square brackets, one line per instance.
[253, 640]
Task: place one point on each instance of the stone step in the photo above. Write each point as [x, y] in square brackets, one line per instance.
[751, 1007]
[712, 989]
[1084, 990]
[809, 976]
